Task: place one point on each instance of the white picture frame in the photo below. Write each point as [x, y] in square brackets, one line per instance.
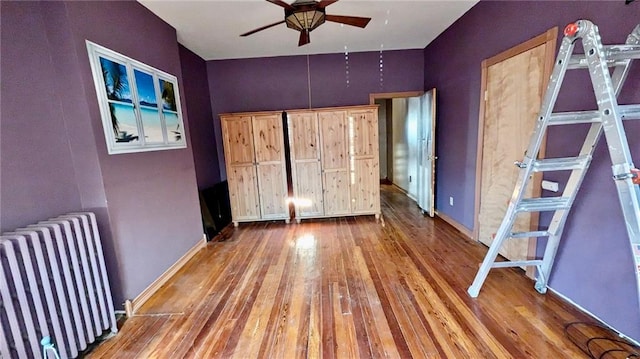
[139, 104]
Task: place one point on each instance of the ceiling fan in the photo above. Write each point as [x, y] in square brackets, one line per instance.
[306, 15]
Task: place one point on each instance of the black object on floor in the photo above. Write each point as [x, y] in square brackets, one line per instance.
[216, 209]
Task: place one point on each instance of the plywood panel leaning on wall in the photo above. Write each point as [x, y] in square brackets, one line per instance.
[255, 160]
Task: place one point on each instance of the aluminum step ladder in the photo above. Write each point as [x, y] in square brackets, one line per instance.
[608, 119]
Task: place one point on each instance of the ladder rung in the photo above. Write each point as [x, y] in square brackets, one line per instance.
[529, 234]
[561, 164]
[579, 62]
[615, 55]
[622, 52]
[508, 264]
[628, 112]
[543, 204]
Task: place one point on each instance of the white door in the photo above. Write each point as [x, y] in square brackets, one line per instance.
[412, 126]
[426, 156]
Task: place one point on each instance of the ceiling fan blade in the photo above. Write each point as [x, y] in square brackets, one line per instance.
[324, 3]
[262, 28]
[349, 20]
[282, 3]
[304, 38]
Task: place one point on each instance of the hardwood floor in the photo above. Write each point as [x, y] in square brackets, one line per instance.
[350, 288]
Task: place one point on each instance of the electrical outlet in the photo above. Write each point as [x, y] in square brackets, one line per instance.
[451, 201]
[550, 186]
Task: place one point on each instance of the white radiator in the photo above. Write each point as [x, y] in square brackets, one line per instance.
[53, 283]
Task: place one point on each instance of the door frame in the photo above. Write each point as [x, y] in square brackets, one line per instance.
[549, 39]
[389, 96]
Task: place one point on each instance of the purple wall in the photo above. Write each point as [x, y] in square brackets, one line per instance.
[153, 201]
[594, 267]
[198, 103]
[146, 202]
[280, 83]
[36, 169]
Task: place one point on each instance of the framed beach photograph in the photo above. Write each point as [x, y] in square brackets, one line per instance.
[139, 104]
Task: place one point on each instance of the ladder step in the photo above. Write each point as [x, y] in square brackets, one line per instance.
[543, 204]
[622, 52]
[561, 164]
[529, 234]
[579, 62]
[628, 112]
[615, 55]
[508, 264]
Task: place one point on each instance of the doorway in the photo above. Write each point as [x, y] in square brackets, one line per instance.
[513, 83]
[407, 144]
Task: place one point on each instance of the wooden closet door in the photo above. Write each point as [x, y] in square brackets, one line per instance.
[335, 162]
[241, 172]
[270, 165]
[304, 140]
[365, 175]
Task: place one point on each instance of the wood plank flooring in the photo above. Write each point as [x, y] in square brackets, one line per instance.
[349, 288]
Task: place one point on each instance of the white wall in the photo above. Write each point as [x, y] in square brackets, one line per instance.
[382, 136]
[413, 145]
[399, 143]
[405, 143]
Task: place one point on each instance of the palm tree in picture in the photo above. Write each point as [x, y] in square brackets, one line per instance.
[114, 92]
[169, 96]
[177, 133]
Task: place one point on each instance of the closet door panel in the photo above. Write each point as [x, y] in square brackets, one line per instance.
[238, 140]
[335, 162]
[363, 133]
[309, 195]
[365, 187]
[333, 133]
[243, 193]
[336, 193]
[304, 142]
[364, 161]
[304, 136]
[273, 195]
[269, 138]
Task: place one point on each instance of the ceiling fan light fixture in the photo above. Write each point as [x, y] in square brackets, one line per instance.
[305, 19]
[306, 15]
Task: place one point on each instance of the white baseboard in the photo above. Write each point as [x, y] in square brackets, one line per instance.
[132, 306]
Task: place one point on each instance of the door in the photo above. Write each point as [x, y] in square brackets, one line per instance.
[304, 140]
[514, 84]
[239, 154]
[426, 160]
[270, 166]
[335, 162]
[413, 122]
[364, 161]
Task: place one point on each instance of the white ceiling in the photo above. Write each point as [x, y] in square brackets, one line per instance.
[212, 28]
